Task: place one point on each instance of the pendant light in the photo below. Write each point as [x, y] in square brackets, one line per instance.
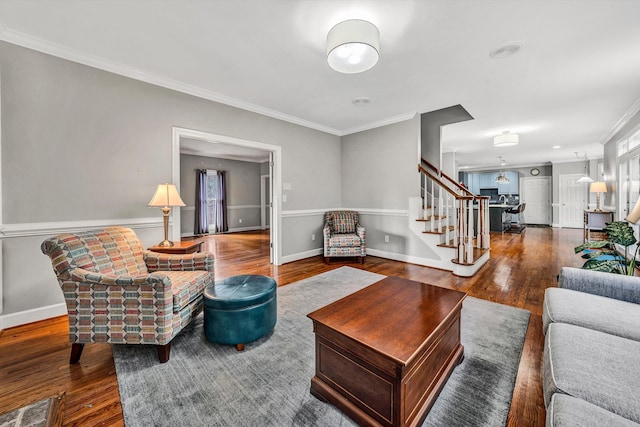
[501, 178]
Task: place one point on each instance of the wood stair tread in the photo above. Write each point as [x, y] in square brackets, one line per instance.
[430, 218]
[477, 254]
[443, 231]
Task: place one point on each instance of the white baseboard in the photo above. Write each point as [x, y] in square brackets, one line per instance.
[302, 255]
[231, 230]
[239, 229]
[32, 315]
[427, 262]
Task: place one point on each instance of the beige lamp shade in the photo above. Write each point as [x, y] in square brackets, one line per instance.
[598, 187]
[166, 195]
[634, 215]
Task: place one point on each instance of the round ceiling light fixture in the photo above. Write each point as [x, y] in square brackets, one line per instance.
[353, 46]
[506, 139]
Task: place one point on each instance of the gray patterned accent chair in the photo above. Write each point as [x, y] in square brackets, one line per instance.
[343, 235]
[118, 292]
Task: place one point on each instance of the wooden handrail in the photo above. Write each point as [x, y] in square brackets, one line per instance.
[451, 180]
[434, 177]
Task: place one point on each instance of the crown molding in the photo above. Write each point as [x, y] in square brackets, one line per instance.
[384, 122]
[40, 45]
[633, 110]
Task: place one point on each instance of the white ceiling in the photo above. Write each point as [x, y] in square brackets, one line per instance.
[575, 78]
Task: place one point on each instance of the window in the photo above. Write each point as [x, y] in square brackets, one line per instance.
[628, 174]
[212, 197]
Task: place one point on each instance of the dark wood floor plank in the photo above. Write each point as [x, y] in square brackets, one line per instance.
[34, 358]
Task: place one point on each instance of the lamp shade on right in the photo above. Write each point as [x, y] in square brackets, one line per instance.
[634, 215]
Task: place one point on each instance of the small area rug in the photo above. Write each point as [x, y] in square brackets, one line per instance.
[206, 384]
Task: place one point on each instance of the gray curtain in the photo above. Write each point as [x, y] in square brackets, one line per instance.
[200, 225]
[221, 203]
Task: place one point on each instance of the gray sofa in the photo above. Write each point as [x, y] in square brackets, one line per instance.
[591, 365]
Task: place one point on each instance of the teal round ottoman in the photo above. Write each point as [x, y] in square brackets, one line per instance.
[239, 309]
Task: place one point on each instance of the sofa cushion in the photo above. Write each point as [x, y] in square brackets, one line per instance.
[344, 241]
[618, 286]
[186, 286]
[591, 311]
[565, 411]
[593, 366]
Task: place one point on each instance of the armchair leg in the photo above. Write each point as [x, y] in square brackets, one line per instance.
[164, 352]
[76, 352]
[326, 260]
[362, 260]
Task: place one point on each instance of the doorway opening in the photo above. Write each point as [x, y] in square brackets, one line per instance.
[182, 138]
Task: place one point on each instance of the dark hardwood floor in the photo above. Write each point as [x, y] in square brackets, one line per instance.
[34, 358]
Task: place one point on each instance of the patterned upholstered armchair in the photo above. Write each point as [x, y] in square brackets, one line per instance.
[120, 293]
[343, 235]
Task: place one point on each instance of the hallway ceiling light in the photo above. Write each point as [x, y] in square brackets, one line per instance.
[353, 46]
[585, 177]
[506, 139]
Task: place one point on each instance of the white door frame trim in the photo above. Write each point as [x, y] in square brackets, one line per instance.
[276, 220]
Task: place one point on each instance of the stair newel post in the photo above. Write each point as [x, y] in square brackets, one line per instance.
[486, 237]
[460, 239]
[441, 198]
[470, 227]
[424, 196]
[447, 234]
[431, 204]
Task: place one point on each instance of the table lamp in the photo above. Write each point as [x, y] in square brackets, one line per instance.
[165, 197]
[634, 215]
[598, 187]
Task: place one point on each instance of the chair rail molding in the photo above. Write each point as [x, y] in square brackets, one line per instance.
[361, 211]
[48, 228]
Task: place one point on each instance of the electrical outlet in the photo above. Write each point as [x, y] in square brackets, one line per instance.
[386, 238]
[240, 221]
[284, 197]
[313, 237]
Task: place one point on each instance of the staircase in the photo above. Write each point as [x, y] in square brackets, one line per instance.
[452, 221]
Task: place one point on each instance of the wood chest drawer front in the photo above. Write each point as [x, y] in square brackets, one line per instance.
[428, 374]
[367, 389]
[386, 365]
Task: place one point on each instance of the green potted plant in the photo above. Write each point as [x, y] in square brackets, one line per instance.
[602, 255]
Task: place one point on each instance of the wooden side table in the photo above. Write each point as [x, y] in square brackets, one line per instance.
[179, 248]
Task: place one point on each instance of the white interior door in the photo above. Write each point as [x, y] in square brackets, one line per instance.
[573, 200]
[536, 193]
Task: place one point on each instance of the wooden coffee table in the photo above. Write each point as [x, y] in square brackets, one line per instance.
[384, 353]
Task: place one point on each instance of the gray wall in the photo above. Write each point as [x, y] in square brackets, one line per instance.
[88, 147]
[380, 172]
[243, 190]
[430, 130]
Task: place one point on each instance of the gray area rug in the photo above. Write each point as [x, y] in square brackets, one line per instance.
[206, 384]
